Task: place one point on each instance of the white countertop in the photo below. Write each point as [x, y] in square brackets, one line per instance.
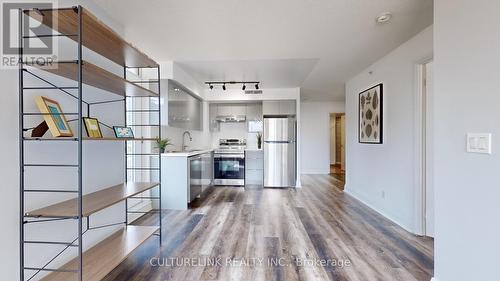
[253, 149]
[185, 153]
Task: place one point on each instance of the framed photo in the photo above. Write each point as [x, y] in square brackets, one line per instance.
[54, 117]
[92, 127]
[370, 129]
[123, 132]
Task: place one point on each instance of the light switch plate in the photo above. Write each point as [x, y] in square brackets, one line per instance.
[479, 143]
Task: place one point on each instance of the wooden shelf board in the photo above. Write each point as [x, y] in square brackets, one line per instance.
[90, 139]
[97, 77]
[102, 258]
[120, 139]
[96, 36]
[93, 202]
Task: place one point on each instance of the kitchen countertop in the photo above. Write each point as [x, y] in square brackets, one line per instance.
[253, 149]
[185, 153]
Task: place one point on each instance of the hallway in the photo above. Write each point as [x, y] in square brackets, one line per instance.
[314, 223]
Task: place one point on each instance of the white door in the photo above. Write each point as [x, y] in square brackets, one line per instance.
[429, 182]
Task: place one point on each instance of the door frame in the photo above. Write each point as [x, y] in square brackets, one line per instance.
[423, 106]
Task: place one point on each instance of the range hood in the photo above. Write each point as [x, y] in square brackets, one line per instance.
[230, 118]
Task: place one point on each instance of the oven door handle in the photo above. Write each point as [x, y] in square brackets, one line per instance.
[226, 155]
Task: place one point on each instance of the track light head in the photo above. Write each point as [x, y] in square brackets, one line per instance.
[244, 87]
[211, 86]
[257, 86]
[224, 87]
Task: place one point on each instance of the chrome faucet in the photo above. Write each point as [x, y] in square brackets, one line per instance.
[184, 146]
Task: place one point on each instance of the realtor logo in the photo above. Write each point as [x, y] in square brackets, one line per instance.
[37, 47]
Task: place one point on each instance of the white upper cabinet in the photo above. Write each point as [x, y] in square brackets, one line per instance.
[270, 107]
[254, 111]
[287, 107]
[282, 107]
[185, 109]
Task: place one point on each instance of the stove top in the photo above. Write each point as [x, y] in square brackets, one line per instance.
[231, 146]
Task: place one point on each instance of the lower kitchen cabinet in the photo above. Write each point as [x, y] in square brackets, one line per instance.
[254, 167]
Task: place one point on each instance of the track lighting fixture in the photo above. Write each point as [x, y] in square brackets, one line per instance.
[223, 83]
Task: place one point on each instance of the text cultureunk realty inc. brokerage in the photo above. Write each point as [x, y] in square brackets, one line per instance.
[247, 262]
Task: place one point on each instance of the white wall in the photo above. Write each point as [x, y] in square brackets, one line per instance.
[94, 178]
[382, 176]
[467, 193]
[315, 135]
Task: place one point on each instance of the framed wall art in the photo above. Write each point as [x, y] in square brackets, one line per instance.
[54, 117]
[123, 132]
[370, 128]
[92, 127]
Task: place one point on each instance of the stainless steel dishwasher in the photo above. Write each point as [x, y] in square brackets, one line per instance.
[195, 177]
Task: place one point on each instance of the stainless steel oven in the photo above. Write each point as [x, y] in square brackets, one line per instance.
[229, 169]
[229, 162]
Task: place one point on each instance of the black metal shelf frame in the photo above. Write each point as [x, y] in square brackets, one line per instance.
[24, 220]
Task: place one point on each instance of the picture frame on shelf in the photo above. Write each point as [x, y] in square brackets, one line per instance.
[54, 117]
[370, 115]
[122, 132]
[92, 127]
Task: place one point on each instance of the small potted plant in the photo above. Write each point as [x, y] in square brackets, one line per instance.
[162, 144]
[259, 140]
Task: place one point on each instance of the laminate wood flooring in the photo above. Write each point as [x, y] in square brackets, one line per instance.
[313, 233]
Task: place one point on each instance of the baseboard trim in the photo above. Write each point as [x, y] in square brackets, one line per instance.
[358, 197]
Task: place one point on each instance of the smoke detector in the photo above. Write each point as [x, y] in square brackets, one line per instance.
[384, 18]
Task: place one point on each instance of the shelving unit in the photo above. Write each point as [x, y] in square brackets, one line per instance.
[87, 31]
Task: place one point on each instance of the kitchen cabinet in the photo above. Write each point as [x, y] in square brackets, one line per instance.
[207, 170]
[254, 111]
[287, 107]
[184, 177]
[184, 108]
[224, 110]
[281, 107]
[254, 167]
[270, 107]
[231, 109]
[214, 126]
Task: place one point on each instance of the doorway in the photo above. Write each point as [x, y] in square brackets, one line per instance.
[337, 147]
[426, 148]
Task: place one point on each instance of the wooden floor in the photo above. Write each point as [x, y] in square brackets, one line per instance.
[313, 233]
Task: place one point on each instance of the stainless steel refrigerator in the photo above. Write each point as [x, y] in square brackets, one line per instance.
[279, 151]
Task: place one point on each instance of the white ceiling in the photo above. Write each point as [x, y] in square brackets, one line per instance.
[314, 44]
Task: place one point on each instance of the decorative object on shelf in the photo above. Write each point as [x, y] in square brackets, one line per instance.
[92, 127]
[259, 140]
[54, 117]
[163, 143]
[370, 115]
[122, 132]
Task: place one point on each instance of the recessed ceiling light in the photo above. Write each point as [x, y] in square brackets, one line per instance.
[384, 17]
